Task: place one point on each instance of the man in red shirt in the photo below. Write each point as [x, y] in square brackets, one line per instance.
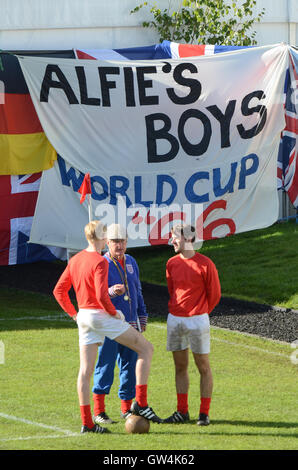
[194, 291]
[97, 317]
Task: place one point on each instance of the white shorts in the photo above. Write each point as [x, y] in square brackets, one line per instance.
[183, 332]
[94, 325]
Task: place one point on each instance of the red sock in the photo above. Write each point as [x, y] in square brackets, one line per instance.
[141, 395]
[99, 403]
[205, 405]
[125, 405]
[182, 402]
[86, 416]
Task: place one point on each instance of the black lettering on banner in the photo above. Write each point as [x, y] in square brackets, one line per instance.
[129, 86]
[247, 111]
[143, 84]
[62, 83]
[106, 85]
[188, 147]
[80, 71]
[224, 121]
[194, 85]
[163, 133]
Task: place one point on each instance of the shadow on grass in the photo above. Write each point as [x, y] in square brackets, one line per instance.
[257, 424]
[26, 324]
[213, 430]
[253, 424]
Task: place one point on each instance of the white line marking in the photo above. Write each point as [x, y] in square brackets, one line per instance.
[47, 318]
[33, 423]
[53, 436]
[253, 348]
[246, 346]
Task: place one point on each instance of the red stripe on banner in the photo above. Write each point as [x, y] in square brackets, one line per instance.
[279, 173]
[291, 159]
[188, 50]
[18, 205]
[84, 55]
[293, 190]
[291, 124]
[18, 115]
[34, 177]
[4, 242]
[5, 188]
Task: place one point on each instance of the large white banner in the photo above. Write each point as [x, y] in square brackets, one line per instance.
[193, 139]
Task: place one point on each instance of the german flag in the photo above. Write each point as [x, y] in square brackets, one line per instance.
[24, 147]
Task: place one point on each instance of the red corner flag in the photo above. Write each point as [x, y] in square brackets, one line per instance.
[85, 187]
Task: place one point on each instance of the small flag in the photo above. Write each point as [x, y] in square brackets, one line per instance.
[85, 187]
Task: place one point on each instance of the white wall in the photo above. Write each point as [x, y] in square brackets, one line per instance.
[66, 24]
[280, 22]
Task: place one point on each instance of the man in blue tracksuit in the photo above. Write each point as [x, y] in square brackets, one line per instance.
[126, 294]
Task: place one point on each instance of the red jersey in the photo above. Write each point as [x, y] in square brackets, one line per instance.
[87, 272]
[193, 285]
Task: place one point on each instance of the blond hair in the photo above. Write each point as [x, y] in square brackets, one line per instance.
[95, 230]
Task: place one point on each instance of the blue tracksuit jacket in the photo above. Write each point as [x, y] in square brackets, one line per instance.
[111, 351]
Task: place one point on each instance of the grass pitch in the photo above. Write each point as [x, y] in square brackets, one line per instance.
[260, 265]
[254, 404]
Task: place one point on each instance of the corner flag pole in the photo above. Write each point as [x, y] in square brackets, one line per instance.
[89, 207]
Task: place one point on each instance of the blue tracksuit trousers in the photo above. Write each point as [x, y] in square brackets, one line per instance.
[126, 358]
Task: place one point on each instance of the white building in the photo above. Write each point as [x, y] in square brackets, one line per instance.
[66, 24]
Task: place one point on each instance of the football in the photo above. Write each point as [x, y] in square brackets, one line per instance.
[137, 425]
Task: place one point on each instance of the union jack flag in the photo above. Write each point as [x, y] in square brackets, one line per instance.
[18, 199]
[165, 50]
[287, 167]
